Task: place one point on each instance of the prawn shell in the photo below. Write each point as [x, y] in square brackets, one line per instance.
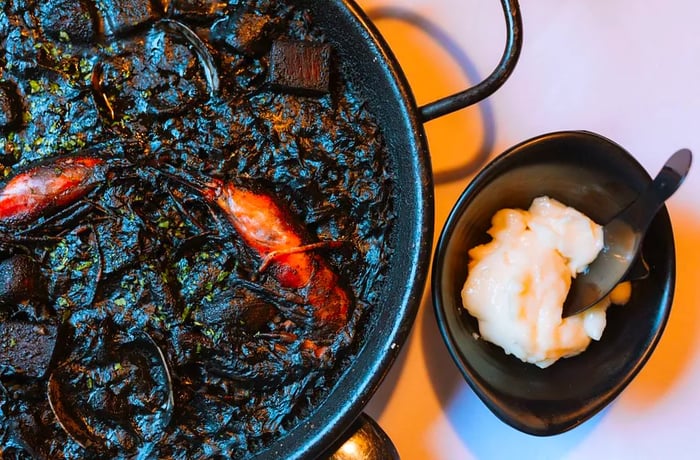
[326, 294]
[267, 228]
[27, 196]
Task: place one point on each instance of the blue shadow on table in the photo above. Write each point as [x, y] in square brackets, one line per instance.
[487, 437]
[481, 432]
[468, 68]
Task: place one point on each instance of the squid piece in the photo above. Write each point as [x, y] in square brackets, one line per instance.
[300, 67]
[26, 348]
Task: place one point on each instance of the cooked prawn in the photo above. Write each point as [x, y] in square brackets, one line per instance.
[30, 194]
[270, 231]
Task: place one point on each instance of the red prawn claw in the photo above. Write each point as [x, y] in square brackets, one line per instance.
[59, 183]
[267, 229]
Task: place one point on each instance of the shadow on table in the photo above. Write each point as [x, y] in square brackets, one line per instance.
[480, 431]
[681, 339]
[422, 59]
[419, 56]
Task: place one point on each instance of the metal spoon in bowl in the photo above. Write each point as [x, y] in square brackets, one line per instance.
[623, 237]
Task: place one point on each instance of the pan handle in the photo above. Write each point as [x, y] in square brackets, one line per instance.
[514, 43]
[365, 440]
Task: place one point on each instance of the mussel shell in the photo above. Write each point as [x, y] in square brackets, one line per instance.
[104, 415]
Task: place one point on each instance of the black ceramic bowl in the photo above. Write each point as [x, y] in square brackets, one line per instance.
[597, 177]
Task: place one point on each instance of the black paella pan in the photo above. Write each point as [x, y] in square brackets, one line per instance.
[334, 399]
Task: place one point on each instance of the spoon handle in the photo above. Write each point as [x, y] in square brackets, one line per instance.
[672, 174]
[623, 237]
[641, 212]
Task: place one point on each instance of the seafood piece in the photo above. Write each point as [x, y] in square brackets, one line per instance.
[10, 107]
[243, 321]
[206, 60]
[245, 31]
[119, 17]
[67, 18]
[300, 67]
[117, 398]
[172, 54]
[20, 279]
[26, 348]
[269, 230]
[57, 184]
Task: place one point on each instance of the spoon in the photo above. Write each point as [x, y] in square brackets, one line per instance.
[623, 236]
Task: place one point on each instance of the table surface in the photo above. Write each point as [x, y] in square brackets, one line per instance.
[626, 69]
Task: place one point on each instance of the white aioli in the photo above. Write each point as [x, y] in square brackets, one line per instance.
[518, 282]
